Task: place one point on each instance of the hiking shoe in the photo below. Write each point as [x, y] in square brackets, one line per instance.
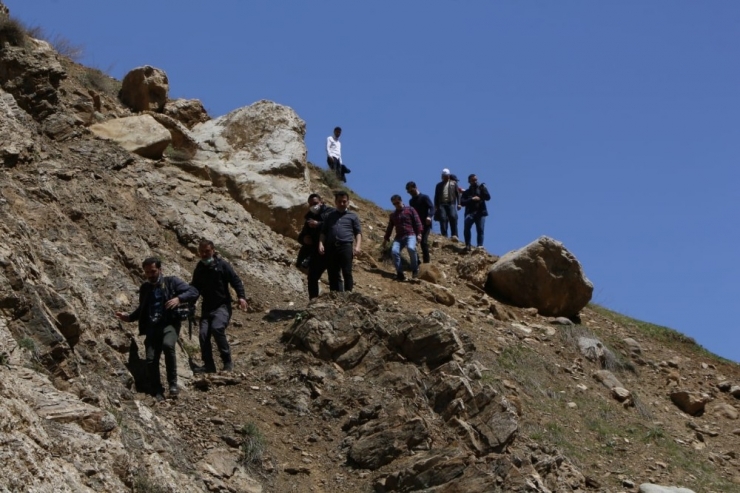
[174, 390]
[159, 397]
[229, 366]
[199, 370]
[400, 277]
[454, 238]
[415, 274]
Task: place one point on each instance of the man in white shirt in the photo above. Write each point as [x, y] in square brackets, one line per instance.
[334, 154]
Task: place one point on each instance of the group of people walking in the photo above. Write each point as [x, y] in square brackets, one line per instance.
[328, 233]
[165, 301]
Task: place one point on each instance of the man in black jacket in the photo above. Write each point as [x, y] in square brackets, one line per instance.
[425, 208]
[309, 238]
[447, 203]
[158, 298]
[212, 277]
[474, 199]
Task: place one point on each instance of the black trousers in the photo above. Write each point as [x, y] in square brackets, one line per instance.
[335, 165]
[316, 267]
[214, 324]
[339, 259]
[425, 242]
[161, 340]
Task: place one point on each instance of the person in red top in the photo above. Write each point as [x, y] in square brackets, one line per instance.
[408, 232]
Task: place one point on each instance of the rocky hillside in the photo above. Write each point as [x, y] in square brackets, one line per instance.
[488, 374]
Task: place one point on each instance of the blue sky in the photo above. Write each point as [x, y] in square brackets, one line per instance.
[611, 126]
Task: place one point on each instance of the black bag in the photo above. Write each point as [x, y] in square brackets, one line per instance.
[346, 170]
[185, 310]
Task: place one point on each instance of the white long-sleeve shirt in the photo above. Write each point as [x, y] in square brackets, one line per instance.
[334, 148]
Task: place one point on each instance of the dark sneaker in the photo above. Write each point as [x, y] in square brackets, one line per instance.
[199, 370]
[400, 277]
[229, 366]
[415, 275]
[174, 390]
[159, 397]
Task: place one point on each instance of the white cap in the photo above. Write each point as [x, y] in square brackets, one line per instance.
[445, 171]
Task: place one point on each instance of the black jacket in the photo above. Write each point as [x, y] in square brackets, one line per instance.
[471, 206]
[314, 233]
[454, 192]
[424, 207]
[173, 286]
[212, 282]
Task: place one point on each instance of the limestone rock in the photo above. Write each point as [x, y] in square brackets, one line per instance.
[654, 488]
[607, 379]
[16, 136]
[430, 273]
[141, 135]
[543, 275]
[258, 153]
[724, 410]
[690, 402]
[189, 112]
[145, 88]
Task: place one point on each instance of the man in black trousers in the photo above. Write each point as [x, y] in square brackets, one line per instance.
[212, 277]
[341, 229]
[158, 298]
[425, 208]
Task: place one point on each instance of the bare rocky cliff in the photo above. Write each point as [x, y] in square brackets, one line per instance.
[458, 382]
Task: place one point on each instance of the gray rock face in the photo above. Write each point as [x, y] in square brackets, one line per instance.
[543, 275]
[16, 138]
[142, 135]
[32, 74]
[145, 88]
[258, 152]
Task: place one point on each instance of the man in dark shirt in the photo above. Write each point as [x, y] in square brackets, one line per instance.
[446, 203]
[474, 199]
[425, 208]
[158, 297]
[212, 277]
[340, 229]
[408, 232]
[309, 238]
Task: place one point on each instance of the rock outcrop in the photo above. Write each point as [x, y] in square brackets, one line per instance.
[189, 112]
[543, 275]
[141, 134]
[145, 89]
[258, 153]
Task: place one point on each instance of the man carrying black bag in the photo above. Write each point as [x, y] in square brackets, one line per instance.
[212, 277]
[159, 320]
[309, 238]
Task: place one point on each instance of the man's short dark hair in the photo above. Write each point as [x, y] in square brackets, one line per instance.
[314, 196]
[410, 184]
[337, 129]
[340, 193]
[205, 243]
[396, 197]
[152, 260]
[470, 176]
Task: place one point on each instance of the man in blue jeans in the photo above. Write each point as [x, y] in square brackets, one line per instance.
[474, 200]
[408, 231]
[446, 203]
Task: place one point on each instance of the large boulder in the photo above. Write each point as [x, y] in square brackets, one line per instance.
[258, 153]
[543, 275]
[145, 88]
[189, 112]
[141, 134]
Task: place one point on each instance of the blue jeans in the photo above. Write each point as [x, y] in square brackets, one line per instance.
[448, 214]
[410, 243]
[480, 223]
